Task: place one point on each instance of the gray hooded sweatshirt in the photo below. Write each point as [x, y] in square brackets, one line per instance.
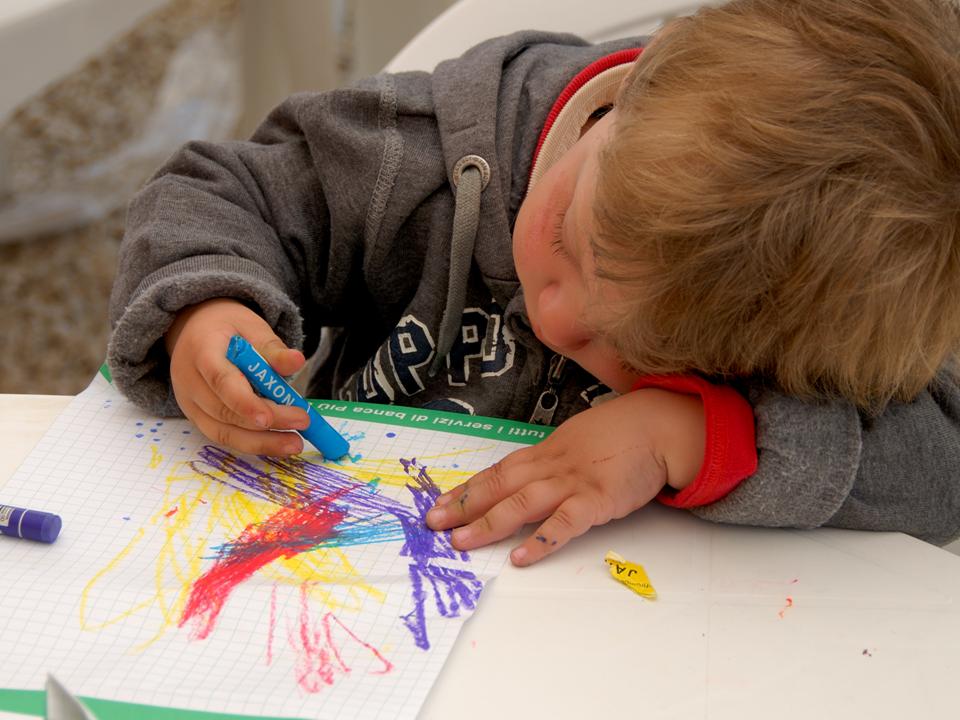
[343, 211]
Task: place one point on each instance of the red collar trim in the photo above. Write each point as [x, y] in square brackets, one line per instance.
[588, 73]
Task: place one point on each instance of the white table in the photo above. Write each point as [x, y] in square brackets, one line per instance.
[871, 628]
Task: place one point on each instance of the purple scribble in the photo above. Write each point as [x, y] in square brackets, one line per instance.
[369, 517]
[451, 586]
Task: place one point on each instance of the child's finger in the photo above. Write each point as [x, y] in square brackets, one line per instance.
[530, 503]
[255, 442]
[242, 405]
[284, 360]
[572, 518]
[284, 417]
[470, 500]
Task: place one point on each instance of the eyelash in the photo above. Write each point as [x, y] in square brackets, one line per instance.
[557, 241]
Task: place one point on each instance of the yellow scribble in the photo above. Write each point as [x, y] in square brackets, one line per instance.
[155, 458]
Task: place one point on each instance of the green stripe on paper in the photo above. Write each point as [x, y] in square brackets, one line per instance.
[33, 702]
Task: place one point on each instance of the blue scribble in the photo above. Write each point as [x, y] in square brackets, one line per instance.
[391, 434]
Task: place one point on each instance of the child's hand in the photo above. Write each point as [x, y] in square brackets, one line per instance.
[215, 395]
[599, 465]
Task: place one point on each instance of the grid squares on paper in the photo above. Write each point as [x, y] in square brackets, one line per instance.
[109, 485]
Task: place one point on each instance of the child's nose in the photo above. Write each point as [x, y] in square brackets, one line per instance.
[560, 313]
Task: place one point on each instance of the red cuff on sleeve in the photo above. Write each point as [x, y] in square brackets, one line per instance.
[730, 454]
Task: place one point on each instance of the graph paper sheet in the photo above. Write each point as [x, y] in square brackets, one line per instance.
[190, 577]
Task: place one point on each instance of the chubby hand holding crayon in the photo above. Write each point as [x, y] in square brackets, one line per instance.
[269, 384]
[213, 393]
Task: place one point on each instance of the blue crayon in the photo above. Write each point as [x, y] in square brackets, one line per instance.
[268, 383]
[29, 524]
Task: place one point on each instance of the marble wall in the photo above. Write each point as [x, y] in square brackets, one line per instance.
[71, 156]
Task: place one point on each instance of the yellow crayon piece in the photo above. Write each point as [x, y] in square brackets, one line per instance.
[630, 574]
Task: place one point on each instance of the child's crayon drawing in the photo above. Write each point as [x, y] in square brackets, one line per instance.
[255, 585]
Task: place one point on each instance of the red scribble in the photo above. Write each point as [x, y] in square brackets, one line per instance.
[172, 512]
[285, 534]
[786, 607]
[320, 659]
[273, 624]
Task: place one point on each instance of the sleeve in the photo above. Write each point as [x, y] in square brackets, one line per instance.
[730, 453]
[278, 222]
[825, 464]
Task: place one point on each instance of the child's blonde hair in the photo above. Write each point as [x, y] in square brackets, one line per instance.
[781, 197]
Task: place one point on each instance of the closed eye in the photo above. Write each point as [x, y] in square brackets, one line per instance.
[557, 240]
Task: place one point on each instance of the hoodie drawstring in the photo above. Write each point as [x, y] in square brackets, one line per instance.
[471, 175]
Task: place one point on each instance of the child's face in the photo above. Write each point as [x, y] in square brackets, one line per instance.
[555, 263]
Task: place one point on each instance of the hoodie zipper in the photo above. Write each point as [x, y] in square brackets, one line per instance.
[550, 397]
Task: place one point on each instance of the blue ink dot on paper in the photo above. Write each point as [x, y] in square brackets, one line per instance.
[156, 439]
[126, 517]
[153, 430]
[455, 465]
[391, 434]
[182, 447]
[139, 424]
[160, 422]
[139, 435]
[186, 432]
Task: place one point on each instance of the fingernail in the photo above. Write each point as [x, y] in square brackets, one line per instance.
[462, 534]
[291, 448]
[436, 515]
[262, 420]
[518, 556]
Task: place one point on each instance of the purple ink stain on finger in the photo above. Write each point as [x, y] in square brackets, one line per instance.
[541, 538]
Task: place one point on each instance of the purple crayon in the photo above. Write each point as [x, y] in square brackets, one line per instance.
[29, 524]
[267, 382]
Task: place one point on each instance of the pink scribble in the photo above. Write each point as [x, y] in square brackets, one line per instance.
[786, 607]
[172, 512]
[271, 628]
[320, 649]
